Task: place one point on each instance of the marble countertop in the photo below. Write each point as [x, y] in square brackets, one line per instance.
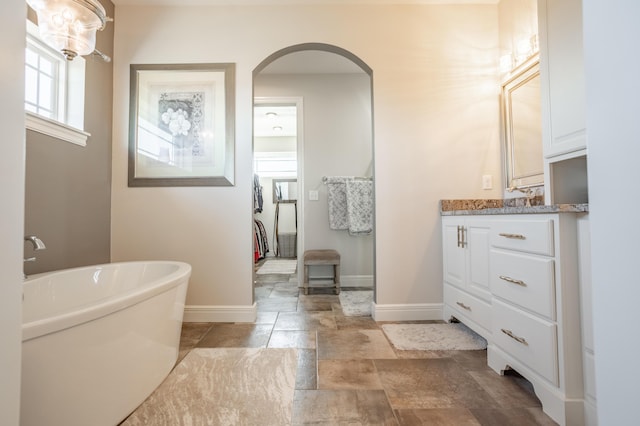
[507, 206]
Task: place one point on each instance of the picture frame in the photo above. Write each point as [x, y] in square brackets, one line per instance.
[182, 125]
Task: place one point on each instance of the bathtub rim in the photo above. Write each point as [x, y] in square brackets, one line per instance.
[86, 313]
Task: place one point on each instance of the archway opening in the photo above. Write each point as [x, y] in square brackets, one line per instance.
[333, 93]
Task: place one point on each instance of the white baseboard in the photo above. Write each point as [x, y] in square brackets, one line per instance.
[208, 313]
[407, 312]
[346, 280]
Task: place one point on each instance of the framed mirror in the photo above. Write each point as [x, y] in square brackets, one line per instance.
[522, 127]
[285, 190]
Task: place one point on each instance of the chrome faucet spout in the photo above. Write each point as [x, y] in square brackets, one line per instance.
[37, 242]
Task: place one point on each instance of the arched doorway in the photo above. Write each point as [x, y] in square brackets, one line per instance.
[335, 92]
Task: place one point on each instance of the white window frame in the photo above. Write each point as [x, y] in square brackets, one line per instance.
[69, 123]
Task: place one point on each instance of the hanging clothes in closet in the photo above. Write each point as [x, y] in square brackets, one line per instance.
[261, 244]
[257, 194]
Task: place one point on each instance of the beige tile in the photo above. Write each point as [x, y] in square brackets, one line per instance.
[512, 417]
[266, 318]
[277, 304]
[284, 290]
[307, 377]
[305, 321]
[192, 332]
[469, 360]
[292, 339]
[224, 387]
[342, 407]
[402, 354]
[236, 336]
[190, 335]
[353, 344]
[262, 292]
[355, 323]
[508, 391]
[430, 383]
[348, 374]
[317, 302]
[437, 417]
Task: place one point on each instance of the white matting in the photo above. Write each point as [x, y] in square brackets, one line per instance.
[356, 303]
[278, 266]
[433, 337]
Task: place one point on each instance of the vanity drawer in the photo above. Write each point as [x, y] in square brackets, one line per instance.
[528, 235]
[526, 280]
[468, 305]
[527, 338]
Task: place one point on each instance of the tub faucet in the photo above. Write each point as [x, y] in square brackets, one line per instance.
[37, 245]
[37, 242]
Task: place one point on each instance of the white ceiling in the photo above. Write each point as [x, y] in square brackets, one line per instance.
[274, 121]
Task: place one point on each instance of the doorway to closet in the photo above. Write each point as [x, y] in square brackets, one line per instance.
[275, 164]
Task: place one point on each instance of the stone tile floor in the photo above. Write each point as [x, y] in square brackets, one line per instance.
[348, 372]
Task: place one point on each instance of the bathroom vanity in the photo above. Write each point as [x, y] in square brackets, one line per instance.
[512, 275]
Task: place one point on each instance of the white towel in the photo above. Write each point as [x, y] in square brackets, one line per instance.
[359, 194]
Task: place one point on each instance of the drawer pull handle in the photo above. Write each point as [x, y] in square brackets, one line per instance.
[514, 337]
[463, 306]
[513, 281]
[512, 236]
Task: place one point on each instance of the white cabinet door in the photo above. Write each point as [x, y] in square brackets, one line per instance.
[562, 76]
[454, 268]
[466, 254]
[477, 237]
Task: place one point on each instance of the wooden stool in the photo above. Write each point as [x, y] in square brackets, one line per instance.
[322, 257]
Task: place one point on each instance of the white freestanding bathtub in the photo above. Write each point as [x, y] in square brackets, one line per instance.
[97, 340]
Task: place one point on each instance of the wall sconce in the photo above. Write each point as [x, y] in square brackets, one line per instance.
[70, 25]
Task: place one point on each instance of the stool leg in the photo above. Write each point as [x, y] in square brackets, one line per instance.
[306, 279]
[336, 277]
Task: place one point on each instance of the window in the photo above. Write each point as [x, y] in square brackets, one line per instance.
[276, 164]
[45, 75]
[54, 91]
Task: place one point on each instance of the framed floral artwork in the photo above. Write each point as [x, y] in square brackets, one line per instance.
[181, 125]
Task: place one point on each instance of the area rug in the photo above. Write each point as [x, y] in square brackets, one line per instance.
[433, 337]
[278, 266]
[224, 386]
[356, 303]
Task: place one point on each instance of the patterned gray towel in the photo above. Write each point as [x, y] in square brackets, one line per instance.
[337, 201]
[359, 194]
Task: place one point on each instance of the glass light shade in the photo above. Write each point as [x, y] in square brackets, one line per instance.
[69, 25]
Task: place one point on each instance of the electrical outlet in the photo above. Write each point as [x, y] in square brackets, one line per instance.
[487, 182]
[313, 195]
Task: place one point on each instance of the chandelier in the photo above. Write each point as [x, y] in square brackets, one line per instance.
[70, 25]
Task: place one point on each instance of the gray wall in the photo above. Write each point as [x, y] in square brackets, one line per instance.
[68, 187]
[337, 142]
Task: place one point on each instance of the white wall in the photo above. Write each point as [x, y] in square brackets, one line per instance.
[435, 121]
[518, 21]
[337, 142]
[13, 14]
[611, 33]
